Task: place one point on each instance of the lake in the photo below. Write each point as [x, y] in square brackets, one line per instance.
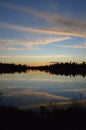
[35, 88]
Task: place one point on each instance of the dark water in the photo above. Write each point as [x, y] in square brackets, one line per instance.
[35, 88]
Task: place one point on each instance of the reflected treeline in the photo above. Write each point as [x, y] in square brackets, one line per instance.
[12, 68]
[71, 68]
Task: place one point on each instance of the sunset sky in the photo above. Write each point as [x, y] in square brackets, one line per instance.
[42, 31]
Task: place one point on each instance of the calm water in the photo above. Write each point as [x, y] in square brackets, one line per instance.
[34, 88]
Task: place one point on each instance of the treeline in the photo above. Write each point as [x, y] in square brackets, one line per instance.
[12, 68]
[71, 68]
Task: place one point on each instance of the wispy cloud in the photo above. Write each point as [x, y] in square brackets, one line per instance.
[73, 90]
[31, 42]
[38, 57]
[16, 7]
[72, 46]
[19, 49]
[65, 24]
[45, 31]
[62, 25]
[76, 46]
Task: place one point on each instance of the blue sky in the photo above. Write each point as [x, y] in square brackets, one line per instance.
[42, 31]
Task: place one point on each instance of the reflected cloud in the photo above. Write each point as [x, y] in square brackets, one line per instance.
[42, 94]
[31, 99]
[73, 90]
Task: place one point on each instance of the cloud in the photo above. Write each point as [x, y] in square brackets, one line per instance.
[18, 49]
[38, 57]
[62, 25]
[72, 46]
[76, 46]
[31, 42]
[44, 31]
[73, 90]
[16, 7]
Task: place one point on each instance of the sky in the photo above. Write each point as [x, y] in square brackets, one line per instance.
[39, 32]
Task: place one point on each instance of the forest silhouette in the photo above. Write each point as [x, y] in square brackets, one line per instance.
[66, 69]
[12, 68]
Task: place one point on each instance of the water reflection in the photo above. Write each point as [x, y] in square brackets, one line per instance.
[36, 88]
[30, 99]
